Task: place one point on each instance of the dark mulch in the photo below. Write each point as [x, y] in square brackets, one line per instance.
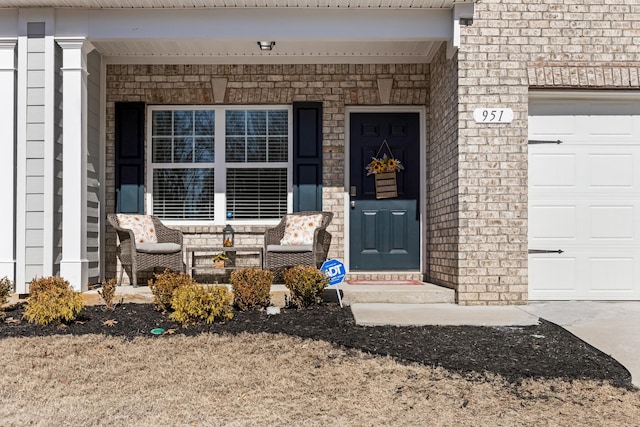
[516, 353]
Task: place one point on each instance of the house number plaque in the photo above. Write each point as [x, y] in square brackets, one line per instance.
[493, 115]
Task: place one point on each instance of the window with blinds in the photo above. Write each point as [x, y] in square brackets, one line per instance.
[248, 179]
[259, 139]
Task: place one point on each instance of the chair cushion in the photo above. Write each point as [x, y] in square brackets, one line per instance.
[142, 226]
[158, 248]
[289, 248]
[299, 229]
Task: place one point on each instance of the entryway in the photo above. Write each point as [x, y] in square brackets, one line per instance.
[384, 233]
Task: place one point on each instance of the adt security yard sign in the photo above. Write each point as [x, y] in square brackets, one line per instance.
[335, 271]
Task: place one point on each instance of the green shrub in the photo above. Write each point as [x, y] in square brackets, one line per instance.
[194, 303]
[305, 284]
[6, 287]
[164, 285]
[108, 292]
[52, 303]
[47, 284]
[251, 288]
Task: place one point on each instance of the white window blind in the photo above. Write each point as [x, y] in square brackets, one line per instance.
[183, 193]
[257, 193]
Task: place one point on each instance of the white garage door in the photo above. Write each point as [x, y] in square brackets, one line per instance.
[584, 199]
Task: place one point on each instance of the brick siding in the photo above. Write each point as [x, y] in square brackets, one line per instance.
[442, 161]
[512, 46]
[336, 86]
[476, 228]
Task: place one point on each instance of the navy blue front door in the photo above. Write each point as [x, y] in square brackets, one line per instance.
[384, 233]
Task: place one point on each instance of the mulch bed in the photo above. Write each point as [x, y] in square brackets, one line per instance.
[516, 353]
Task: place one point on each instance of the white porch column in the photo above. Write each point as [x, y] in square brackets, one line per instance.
[74, 264]
[7, 157]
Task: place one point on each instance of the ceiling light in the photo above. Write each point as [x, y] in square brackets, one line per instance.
[265, 45]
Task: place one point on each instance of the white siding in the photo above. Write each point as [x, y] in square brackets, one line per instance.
[34, 197]
[94, 156]
[57, 165]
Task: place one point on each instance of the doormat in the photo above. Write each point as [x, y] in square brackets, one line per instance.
[384, 282]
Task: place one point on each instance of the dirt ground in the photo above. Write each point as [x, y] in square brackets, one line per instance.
[302, 367]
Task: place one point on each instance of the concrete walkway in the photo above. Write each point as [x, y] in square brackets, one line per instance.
[611, 327]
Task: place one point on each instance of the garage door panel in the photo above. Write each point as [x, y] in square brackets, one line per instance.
[593, 122]
[552, 274]
[553, 222]
[609, 126]
[605, 222]
[612, 274]
[586, 169]
[581, 274]
[611, 171]
[552, 170]
[584, 199]
[612, 223]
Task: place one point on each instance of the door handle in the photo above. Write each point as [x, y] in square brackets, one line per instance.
[545, 251]
[353, 204]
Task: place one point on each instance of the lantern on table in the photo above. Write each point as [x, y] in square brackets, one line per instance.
[227, 236]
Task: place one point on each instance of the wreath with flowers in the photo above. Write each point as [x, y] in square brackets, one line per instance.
[385, 163]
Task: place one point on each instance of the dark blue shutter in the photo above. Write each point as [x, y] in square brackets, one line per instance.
[307, 156]
[129, 162]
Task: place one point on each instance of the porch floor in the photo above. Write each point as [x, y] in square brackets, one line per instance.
[422, 293]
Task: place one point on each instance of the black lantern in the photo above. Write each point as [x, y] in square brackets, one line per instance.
[227, 236]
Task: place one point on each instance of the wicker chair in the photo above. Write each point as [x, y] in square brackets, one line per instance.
[167, 253]
[278, 257]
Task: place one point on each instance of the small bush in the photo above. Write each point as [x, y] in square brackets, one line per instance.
[164, 285]
[194, 303]
[305, 284]
[108, 292]
[251, 288]
[52, 303]
[47, 284]
[6, 287]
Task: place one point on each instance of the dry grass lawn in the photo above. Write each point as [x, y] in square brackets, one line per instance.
[211, 380]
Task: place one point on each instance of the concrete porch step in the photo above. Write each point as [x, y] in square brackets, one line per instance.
[423, 293]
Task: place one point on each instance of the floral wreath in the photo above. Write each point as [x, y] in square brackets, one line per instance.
[385, 163]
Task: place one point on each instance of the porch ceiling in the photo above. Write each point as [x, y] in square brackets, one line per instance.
[164, 4]
[227, 31]
[285, 51]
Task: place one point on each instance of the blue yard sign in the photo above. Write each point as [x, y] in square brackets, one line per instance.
[335, 271]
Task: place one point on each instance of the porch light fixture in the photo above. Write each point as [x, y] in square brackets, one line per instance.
[266, 45]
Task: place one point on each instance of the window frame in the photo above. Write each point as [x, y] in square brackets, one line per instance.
[220, 165]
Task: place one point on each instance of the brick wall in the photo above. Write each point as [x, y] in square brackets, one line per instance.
[442, 170]
[476, 233]
[336, 86]
[514, 45]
